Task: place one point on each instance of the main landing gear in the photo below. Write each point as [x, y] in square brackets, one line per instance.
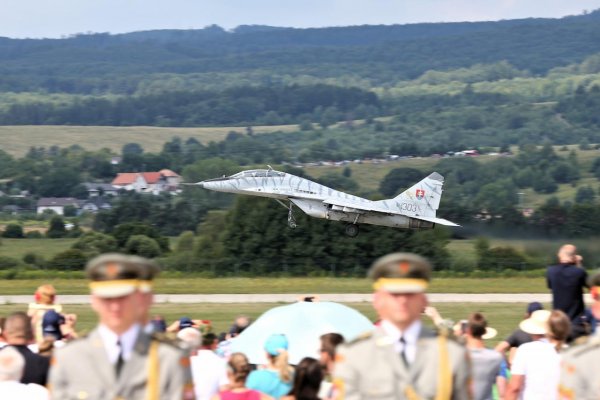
[351, 230]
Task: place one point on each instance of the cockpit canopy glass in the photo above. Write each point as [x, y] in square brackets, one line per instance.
[258, 173]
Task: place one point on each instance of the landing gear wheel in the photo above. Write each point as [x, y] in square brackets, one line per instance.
[351, 230]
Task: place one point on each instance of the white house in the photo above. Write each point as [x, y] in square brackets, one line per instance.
[56, 204]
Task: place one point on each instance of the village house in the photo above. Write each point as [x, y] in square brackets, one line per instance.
[148, 182]
[56, 204]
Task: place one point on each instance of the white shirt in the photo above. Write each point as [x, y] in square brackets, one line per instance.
[12, 390]
[539, 363]
[410, 335]
[209, 372]
[127, 340]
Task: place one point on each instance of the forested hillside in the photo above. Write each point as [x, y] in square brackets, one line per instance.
[127, 64]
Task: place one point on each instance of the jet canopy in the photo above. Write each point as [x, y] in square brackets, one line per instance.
[258, 173]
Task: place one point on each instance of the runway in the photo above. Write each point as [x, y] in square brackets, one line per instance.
[290, 298]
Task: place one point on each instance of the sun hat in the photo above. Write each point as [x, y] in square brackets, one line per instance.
[490, 333]
[537, 323]
[275, 344]
[461, 326]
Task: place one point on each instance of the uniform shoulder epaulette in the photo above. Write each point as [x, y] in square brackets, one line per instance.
[361, 337]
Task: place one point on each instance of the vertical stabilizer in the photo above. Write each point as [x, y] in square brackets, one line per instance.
[421, 199]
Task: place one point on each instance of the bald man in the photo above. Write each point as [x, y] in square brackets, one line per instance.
[567, 281]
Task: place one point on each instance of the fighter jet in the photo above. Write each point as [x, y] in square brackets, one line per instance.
[414, 208]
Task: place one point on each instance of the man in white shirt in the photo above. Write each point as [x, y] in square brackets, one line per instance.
[402, 359]
[12, 364]
[119, 359]
[209, 371]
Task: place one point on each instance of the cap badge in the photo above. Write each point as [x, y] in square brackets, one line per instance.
[112, 270]
[404, 267]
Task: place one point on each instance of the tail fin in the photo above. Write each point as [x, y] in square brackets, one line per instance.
[421, 199]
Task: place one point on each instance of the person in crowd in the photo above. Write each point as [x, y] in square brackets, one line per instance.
[59, 328]
[209, 371]
[276, 379]
[238, 370]
[329, 344]
[119, 359]
[12, 364]
[307, 380]
[486, 363]
[158, 324]
[401, 358]
[192, 338]
[579, 369]
[45, 298]
[239, 325]
[19, 334]
[518, 337]
[536, 368]
[567, 281]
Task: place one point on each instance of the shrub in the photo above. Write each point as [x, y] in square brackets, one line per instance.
[13, 231]
[69, 260]
[95, 243]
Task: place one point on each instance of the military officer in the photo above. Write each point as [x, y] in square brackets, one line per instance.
[401, 359]
[119, 360]
[579, 368]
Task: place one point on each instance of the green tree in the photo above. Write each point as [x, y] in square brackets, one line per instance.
[143, 246]
[585, 194]
[70, 211]
[57, 228]
[132, 148]
[185, 242]
[123, 232]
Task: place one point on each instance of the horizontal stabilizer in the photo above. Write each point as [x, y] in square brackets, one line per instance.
[440, 221]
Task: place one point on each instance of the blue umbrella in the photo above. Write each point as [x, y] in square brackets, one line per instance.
[302, 323]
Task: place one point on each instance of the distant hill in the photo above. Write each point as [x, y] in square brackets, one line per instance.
[103, 63]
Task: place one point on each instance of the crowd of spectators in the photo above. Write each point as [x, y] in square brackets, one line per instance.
[524, 365]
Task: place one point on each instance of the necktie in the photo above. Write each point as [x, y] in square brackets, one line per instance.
[120, 361]
[403, 352]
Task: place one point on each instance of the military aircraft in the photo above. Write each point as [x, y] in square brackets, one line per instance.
[414, 208]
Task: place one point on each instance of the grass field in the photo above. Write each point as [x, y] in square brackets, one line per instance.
[17, 140]
[500, 316]
[193, 285]
[17, 248]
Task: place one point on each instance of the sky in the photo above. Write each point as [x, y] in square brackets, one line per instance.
[59, 18]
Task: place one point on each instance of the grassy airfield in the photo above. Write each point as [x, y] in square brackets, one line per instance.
[195, 285]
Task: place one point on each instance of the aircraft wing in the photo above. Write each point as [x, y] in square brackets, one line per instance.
[440, 221]
[349, 206]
